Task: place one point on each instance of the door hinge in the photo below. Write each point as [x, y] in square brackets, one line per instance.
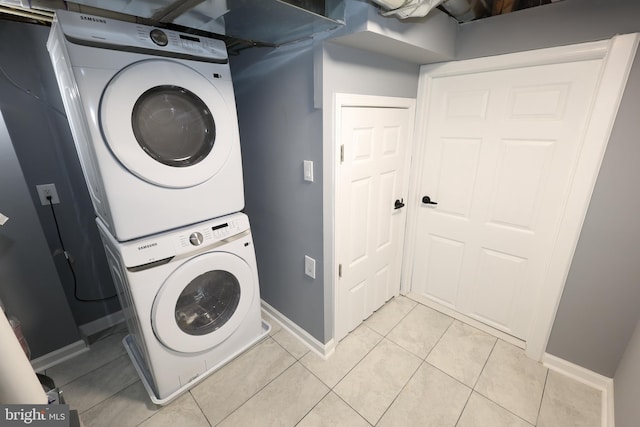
[342, 153]
[339, 270]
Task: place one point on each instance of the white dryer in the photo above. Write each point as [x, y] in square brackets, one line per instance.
[191, 300]
[154, 121]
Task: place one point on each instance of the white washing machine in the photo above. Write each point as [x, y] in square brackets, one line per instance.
[153, 117]
[191, 299]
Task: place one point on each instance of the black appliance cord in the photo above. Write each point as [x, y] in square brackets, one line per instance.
[66, 255]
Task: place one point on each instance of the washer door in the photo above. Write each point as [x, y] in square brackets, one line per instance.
[166, 123]
[203, 302]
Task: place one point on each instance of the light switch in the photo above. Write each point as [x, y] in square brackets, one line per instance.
[310, 266]
[308, 170]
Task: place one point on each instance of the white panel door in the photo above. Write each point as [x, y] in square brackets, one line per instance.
[501, 149]
[370, 215]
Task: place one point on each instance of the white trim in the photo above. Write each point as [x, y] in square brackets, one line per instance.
[58, 356]
[322, 350]
[617, 56]
[552, 55]
[615, 72]
[587, 377]
[328, 198]
[354, 100]
[101, 324]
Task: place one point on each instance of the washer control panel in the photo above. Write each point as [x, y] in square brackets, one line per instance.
[213, 231]
[170, 244]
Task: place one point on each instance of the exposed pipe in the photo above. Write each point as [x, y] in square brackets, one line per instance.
[407, 8]
[39, 15]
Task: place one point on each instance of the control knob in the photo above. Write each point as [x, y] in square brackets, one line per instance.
[159, 37]
[196, 238]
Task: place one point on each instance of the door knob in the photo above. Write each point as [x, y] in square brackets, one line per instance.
[427, 201]
[398, 204]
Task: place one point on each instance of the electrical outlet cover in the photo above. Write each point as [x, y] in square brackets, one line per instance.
[45, 190]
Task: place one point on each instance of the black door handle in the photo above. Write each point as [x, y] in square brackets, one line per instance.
[398, 204]
[427, 201]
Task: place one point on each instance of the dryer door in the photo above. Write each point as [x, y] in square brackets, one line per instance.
[167, 124]
[203, 302]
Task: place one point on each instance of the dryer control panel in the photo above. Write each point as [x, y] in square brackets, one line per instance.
[165, 246]
[83, 29]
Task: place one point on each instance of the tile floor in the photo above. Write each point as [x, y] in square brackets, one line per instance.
[407, 365]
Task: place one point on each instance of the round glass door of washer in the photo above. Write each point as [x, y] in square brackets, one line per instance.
[203, 302]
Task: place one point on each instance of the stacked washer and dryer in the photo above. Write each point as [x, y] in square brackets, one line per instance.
[153, 118]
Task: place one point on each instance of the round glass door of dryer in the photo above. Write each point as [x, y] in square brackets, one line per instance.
[166, 123]
[173, 126]
[203, 302]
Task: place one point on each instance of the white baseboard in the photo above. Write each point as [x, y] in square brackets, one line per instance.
[59, 356]
[101, 324]
[590, 378]
[322, 350]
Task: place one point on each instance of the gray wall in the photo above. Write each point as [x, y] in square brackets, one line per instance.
[350, 70]
[44, 145]
[279, 128]
[555, 24]
[29, 285]
[627, 384]
[599, 307]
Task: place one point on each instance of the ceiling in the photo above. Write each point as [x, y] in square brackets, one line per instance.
[244, 23]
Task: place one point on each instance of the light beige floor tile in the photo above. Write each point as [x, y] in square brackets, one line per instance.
[98, 385]
[182, 412]
[481, 412]
[231, 386]
[332, 411]
[128, 408]
[420, 330]
[293, 345]
[348, 353]
[430, 399]
[284, 402]
[568, 403]
[388, 316]
[373, 384]
[100, 353]
[462, 352]
[513, 381]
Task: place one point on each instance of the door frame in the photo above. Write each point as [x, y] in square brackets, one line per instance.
[617, 55]
[332, 187]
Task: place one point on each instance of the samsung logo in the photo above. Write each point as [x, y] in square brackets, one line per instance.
[93, 19]
[147, 246]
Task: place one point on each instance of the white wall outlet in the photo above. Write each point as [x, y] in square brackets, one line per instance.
[310, 266]
[46, 190]
[308, 170]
